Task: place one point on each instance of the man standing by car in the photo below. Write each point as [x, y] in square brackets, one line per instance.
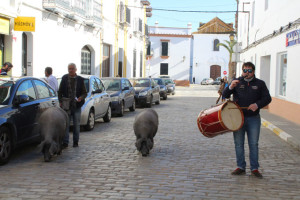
[252, 93]
[71, 96]
[52, 81]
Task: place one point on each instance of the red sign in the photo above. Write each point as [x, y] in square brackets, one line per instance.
[225, 72]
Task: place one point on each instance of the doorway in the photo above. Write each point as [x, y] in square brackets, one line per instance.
[215, 71]
[24, 54]
[106, 61]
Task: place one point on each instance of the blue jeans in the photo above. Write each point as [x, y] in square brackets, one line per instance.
[252, 128]
[75, 114]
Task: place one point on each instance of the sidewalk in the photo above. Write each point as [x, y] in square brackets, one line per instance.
[285, 129]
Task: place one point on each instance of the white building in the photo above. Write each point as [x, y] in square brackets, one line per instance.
[271, 42]
[210, 60]
[169, 52]
[101, 37]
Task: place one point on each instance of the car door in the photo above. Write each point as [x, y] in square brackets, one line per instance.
[97, 97]
[105, 98]
[26, 114]
[130, 93]
[125, 93]
[155, 90]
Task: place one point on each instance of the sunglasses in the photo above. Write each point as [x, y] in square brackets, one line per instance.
[247, 70]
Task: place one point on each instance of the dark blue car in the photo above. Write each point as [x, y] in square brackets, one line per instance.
[22, 100]
[121, 93]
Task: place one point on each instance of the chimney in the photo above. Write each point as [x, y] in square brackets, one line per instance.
[189, 26]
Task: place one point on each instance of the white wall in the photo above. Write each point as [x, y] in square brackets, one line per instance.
[204, 56]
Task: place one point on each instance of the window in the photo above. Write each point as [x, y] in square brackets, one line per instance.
[127, 15]
[164, 48]
[101, 86]
[164, 68]
[85, 60]
[149, 49]
[94, 84]
[283, 76]
[266, 4]
[253, 13]
[26, 88]
[42, 89]
[216, 47]
[141, 64]
[140, 25]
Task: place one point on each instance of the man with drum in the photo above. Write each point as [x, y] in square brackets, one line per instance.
[251, 94]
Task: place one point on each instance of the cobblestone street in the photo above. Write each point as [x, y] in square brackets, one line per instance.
[182, 165]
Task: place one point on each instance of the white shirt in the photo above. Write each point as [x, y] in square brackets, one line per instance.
[52, 81]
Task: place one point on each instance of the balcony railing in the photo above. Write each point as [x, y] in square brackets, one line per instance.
[145, 3]
[57, 5]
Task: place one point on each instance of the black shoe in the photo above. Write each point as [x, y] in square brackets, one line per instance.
[256, 173]
[75, 144]
[238, 171]
[65, 145]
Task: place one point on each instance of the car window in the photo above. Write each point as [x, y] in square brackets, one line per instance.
[100, 84]
[26, 88]
[94, 84]
[86, 84]
[112, 84]
[128, 84]
[52, 92]
[5, 88]
[159, 81]
[141, 83]
[42, 89]
[124, 84]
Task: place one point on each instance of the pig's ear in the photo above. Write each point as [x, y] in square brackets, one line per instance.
[53, 148]
[40, 147]
[149, 144]
[138, 144]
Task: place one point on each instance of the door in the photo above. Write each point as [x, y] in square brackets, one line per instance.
[215, 71]
[106, 61]
[97, 97]
[24, 54]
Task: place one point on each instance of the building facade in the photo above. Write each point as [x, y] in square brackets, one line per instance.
[169, 52]
[209, 59]
[268, 36]
[102, 37]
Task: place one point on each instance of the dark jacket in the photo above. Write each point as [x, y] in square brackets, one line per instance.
[246, 93]
[80, 89]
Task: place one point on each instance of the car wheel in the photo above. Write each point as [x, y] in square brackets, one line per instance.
[149, 105]
[132, 108]
[91, 121]
[122, 109]
[165, 97]
[158, 101]
[5, 145]
[107, 116]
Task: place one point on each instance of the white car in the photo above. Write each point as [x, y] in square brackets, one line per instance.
[207, 81]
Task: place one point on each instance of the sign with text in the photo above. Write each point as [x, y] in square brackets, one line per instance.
[293, 38]
[4, 26]
[26, 24]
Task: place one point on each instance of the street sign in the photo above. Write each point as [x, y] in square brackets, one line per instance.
[225, 72]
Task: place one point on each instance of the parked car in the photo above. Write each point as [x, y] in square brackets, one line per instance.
[207, 81]
[163, 88]
[170, 85]
[22, 100]
[97, 103]
[146, 91]
[121, 93]
[217, 81]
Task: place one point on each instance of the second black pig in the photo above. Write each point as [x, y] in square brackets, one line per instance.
[53, 124]
[145, 127]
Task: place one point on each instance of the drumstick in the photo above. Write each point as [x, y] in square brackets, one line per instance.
[239, 107]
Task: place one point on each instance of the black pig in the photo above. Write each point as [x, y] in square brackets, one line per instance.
[53, 124]
[145, 127]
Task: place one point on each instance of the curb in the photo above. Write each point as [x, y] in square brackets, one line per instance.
[283, 135]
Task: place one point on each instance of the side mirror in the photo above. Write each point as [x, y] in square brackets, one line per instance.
[21, 99]
[97, 91]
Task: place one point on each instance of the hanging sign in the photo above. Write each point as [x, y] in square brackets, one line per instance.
[26, 24]
[4, 26]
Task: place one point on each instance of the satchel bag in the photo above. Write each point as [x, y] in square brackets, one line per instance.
[65, 104]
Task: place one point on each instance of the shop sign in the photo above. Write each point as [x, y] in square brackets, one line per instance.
[26, 24]
[4, 26]
[293, 38]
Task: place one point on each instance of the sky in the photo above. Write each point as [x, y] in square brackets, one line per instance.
[181, 19]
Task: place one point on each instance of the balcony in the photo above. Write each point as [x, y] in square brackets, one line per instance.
[145, 3]
[59, 6]
[148, 14]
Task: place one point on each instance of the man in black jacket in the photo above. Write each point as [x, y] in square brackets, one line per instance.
[72, 89]
[251, 92]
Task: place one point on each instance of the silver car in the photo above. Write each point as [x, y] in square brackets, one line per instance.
[97, 103]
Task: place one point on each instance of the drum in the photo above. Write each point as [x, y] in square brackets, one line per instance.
[220, 119]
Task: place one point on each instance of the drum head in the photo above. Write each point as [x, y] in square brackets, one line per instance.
[232, 116]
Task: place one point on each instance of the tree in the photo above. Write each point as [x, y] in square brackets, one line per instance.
[229, 46]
